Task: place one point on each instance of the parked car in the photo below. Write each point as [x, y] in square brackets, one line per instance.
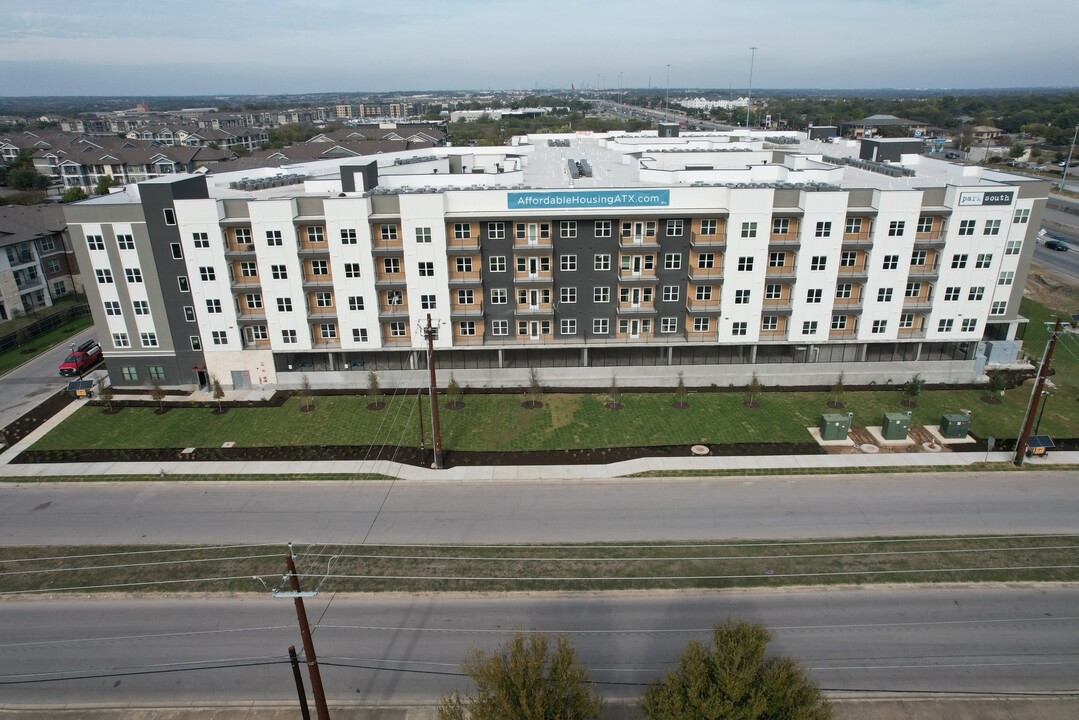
[952, 155]
[1054, 244]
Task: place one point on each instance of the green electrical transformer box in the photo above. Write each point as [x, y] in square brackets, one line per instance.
[954, 426]
[896, 426]
[834, 426]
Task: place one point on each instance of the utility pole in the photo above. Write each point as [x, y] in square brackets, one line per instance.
[1035, 397]
[1068, 162]
[667, 99]
[305, 712]
[419, 416]
[749, 100]
[323, 712]
[432, 332]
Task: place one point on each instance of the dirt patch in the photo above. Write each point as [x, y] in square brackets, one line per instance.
[613, 405]
[532, 405]
[161, 410]
[454, 405]
[834, 405]
[992, 399]
[908, 403]
[219, 411]
[376, 406]
[752, 405]
[677, 405]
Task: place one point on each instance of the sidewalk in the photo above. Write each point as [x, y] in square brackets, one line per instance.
[503, 473]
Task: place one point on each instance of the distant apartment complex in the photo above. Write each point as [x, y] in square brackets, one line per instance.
[715, 255]
[36, 262]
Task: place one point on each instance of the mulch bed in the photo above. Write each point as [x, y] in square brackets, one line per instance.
[32, 420]
[455, 405]
[376, 406]
[531, 404]
[613, 405]
[834, 405]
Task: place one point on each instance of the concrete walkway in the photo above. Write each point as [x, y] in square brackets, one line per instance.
[501, 473]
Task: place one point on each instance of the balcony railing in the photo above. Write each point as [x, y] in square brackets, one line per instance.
[717, 240]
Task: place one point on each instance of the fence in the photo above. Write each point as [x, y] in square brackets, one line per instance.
[42, 326]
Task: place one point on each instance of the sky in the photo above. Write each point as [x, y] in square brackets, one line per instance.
[198, 47]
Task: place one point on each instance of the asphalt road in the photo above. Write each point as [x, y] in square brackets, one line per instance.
[407, 650]
[406, 512]
[28, 385]
[1063, 263]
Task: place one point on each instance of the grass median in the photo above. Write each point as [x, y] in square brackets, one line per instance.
[477, 568]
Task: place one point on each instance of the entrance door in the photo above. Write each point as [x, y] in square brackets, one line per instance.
[634, 328]
[534, 329]
[533, 267]
[241, 380]
[638, 263]
[635, 297]
[203, 379]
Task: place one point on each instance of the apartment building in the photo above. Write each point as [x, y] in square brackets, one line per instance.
[36, 261]
[716, 255]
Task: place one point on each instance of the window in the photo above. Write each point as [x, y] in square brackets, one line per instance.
[777, 259]
[824, 229]
[976, 292]
[348, 236]
[843, 290]
[463, 264]
[497, 263]
[423, 235]
[567, 229]
[914, 289]
[983, 261]
[601, 294]
[130, 373]
[891, 262]
[189, 313]
[854, 226]
[567, 295]
[52, 266]
[387, 231]
[966, 227]
[706, 261]
[397, 329]
[918, 258]
[969, 325]
[770, 322]
[141, 307]
[879, 327]
[359, 334]
[884, 294]
[668, 325]
[464, 297]
[120, 340]
[925, 224]
[278, 272]
[951, 294]
[809, 327]
[273, 238]
[896, 229]
[848, 258]
[567, 263]
[248, 269]
[1021, 217]
[314, 234]
[395, 297]
[496, 230]
[462, 231]
[741, 297]
[602, 262]
[1013, 247]
[428, 302]
[322, 300]
[196, 342]
[213, 307]
[906, 320]
[945, 325]
[427, 269]
[818, 262]
[603, 228]
[701, 324]
[709, 226]
[567, 327]
[673, 228]
[704, 293]
[243, 236]
[48, 244]
[258, 332]
[992, 227]
[112, 307]
[320, 267]
[148, 339]
[219, 337]
[670, 293]
[127, 242]
[745, 264]
[601, 326]
[839, 322]
[467, 327]
[207, 274]
[773, 291]
[740, 328]
[170, 216]
[133, 275]
[999, 307]
[780, 226]
[355, 302]
[352, 270]
[104, 276]
[156, 372]
[1006, 278]
[391, 266]
[814, 295]
[327, 331]
[959, 262]
[284, 304]
[672, 261]
[288, 337]
[499, 296]
[95, 242]
[500, 327]
[749, 230]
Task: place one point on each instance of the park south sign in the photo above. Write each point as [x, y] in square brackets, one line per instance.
[968, 198]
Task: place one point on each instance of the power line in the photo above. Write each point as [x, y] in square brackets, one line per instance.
[135, 565]
[134, 552]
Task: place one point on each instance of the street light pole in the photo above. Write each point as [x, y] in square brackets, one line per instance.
[1068, 162]
[667, 99]
[749, 100]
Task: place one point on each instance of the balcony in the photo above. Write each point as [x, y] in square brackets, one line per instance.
[856, 240]
[384, 278]
[468, 243]
[541, 310]
[855, 271]
[784, 239]
[524, 278]
[848, 304]
[472, 310]
[467, 278]
[638, 241]
[910, 333]
[246, 283]
[780, 273]
[923, 272]
[246, 313]
[639, 276]
[382, 246]
[712, 273]
[239, 250]
[313, 250]
[626, 308]
[702, 306]
[778, 305]
[317, 281]
[850, 332]
[718, 240]
[392, 312]
[922, 302]
[773, 334]
[929, 240]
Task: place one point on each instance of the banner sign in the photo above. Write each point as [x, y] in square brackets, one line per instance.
[574, 199]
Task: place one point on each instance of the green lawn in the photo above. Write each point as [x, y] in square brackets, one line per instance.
[45, 343]
[569, 421]
[1061, 411]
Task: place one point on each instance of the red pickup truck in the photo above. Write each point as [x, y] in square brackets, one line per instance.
[81, 359]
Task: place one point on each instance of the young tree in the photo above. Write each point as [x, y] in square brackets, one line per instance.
[453, 392]
[104, 183]
[157, 393]
[73, 194]
[218, 392]
[526, 678]
[615, 393]
[681, 395]
[306, 405]
[374, 389]
[837, 391]
[912, 389]
[753, 391]
[996, 384]
[733, 677]
[105, 392]
[535, 390]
